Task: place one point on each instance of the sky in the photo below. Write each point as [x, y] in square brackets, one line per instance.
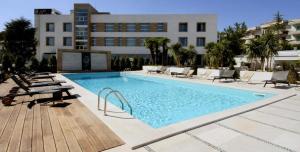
[252, 12]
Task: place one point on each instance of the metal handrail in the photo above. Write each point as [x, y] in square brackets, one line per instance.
[99, 95]
[120, 97]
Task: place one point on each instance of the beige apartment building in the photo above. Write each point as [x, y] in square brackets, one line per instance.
[86, 36]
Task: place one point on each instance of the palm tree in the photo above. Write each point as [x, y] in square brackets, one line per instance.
[189, 54]
[256, 49]
[176, 53]
[271, 46]
[150, 44]
[163, 42]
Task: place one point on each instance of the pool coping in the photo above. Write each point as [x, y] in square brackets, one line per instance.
[138, 134]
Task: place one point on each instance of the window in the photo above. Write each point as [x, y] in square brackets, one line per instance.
[297, 38]
[183, 27]
[160, 27]
[183, 41]
[120, 27]
[81, 17]
[298, 27]
[49, 27]
[67, 27]
[289, 37]
[131, 41]
[109, 41]
[109, 27]
[201, 41]
[94, 41]
[142, 41]
[67, 41]
[201, 27]
[81, 33]
[49, 41]
[131, 27]
[145, 27]
[94, 27]
[120, 39]
[81, 45]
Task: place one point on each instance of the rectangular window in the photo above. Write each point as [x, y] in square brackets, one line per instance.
[93, 41]
[183, 27]
[94, 27]
[50, 27]
[131, 41]
[80, 45]
[81, 33]
[297, 38]
[288, 37]
[298, 27]
[183, 41]
[201, 41]
[160, 27]
[120, 39]
[67, 27]
[201, 27]
[145, 27]
[67, 41]
[81, 17]
[131, 27]
[109, 27]
[109, 41]
[142, 41]
[120, 27]
[49, 41]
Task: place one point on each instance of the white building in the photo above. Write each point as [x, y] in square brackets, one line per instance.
[291, 33]
[86, 29]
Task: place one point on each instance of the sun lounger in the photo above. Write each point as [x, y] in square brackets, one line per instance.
[32, 91]
[278, 77]
[225, 74]
[39, 84]
[179, 71]
[189, 74]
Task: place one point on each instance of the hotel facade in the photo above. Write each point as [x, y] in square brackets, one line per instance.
[86, 39]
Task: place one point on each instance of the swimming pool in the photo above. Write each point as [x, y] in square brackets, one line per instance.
[160, 102]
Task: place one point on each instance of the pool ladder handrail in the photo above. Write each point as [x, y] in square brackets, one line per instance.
[99, 95]
[117, 94]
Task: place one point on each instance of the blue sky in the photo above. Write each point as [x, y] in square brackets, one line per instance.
[253, 12]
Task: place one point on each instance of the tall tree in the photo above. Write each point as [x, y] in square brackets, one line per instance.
[233, 35]
[176, 53]
[19, 38]
[150, 44]
[164, 44]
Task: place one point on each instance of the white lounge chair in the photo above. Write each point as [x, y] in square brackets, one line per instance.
[278, 77]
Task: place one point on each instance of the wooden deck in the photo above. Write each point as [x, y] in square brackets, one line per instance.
[37, 127]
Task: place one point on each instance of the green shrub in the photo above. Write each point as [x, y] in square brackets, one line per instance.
[44, 67]
[135, 63]
[53, 64]
[293, 76]
[20, 64]
[122, 63]
[116, 64]
[141, 62]
[127, 63]
[34, 65]
[6, 62]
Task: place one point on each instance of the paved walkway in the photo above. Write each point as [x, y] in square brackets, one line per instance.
[269, 129]
[68, 126]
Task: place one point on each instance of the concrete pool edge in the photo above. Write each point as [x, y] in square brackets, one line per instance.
[137, 134]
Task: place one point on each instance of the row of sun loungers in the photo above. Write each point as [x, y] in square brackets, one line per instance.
[213, 74]
[33, 84]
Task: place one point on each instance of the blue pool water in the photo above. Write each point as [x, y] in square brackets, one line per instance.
[160, 102]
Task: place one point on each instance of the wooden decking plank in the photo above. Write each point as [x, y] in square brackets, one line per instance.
[60, 141]
[4, 117]
[80, 134]
[7, 133]
[48, 139]
[26, 141]
[79, 118]
[37, 135]
[68, 133]
[108, 138]
[14, 143]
